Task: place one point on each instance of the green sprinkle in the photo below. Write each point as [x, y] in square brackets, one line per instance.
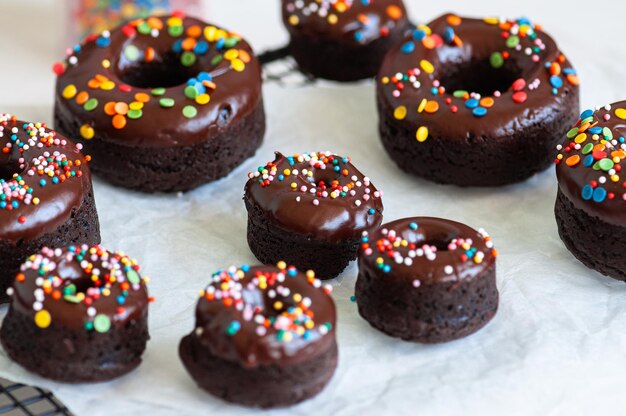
[606, 164]
[512, 41]
[134, 114]
[131, 53]
[176, 31]
[89, 326]
[460, 93]
[190, 111]
[71, 299]
[496, 60]
[188, 58]
[167, 102]
[102, 323]
[191, 92]
[144, 28]
[230, 42]
[69, 290]
[91, 104]
[217, 59]
[588, 148]
[133, 277]
[158, 91]
[608, 134]
[572, 133]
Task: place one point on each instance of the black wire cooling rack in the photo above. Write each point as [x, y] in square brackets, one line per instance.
[22, 400]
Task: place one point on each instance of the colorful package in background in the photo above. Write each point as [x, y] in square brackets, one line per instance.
[94, 16]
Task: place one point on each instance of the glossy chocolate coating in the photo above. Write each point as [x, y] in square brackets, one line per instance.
[334, 219]
[586, 143]
[237, 94]
[479, 41]
[56, 201]
[433, 232]
[246, 346]
[371, 21]
[73, 315]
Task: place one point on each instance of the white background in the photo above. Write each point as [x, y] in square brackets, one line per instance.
[558, 343]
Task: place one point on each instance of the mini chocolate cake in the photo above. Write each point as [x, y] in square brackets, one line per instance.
[77, 315]
[591, 198]
[343, 40]
[264, 337]
[427, 279]
[163, 104]
[309, 210]
[46, 198]
[475, 102]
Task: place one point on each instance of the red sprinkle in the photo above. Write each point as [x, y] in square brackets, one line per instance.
[520, 97]
[519, 84]
[58, 68]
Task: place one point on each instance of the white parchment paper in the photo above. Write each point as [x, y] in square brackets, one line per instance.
[558, 343]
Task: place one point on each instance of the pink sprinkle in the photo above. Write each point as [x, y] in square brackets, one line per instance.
[417, 283]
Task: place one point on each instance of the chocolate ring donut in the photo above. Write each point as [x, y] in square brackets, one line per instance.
[309, 210]
[264, 336]
[427, 279]
[475, 102]
[77, 315]
[343, 40]
[162, 104]
[592, 190]
[46, 197]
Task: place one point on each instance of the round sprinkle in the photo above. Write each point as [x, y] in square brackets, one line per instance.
[43, 319]
[188, 58]
[400, 113]
[422, 134]
[157, 91]
[119, 121]
[91, 104]
[167, 102]
[101, 323]
[131, 53]
[203, 99]
[87, 132]
[190, 111]
[496, 60]
[69, 92]
[620, 113]
[427, 66]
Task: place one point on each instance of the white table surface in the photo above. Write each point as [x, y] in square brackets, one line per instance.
[558, 343]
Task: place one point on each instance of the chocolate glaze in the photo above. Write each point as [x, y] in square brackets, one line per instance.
[213, 319]
[434, 232]
[479, 41]
[74, 316]
[368, 20]
[57, 201]
[333, 219]
[572, 179]
[236, 96]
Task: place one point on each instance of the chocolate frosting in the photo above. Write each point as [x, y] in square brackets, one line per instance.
[47, 167]
[342, 214]
[294, 311]
[234, 93]
[362, 21]
[590, 161]
[412, 75]
[424, 250]
[50, 273]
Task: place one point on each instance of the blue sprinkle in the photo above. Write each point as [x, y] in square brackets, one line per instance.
[471, 103]
[201, 48]
[556, 81]
[205, 76]
[121, 300]
[586, 114]
[419, 34]
[281, 177]
[595, 130]
[448, 34]
[599, 194]
[178, 46]
[413, 226]
[372, 211]
[292, 272]
[386, 268]
[365, 239]
[587, 192]
[434, 91]
[479, 111]
[588, 161]
[3, 204]
[621, 140]
[358, 36]
[220, 43]
[408, 47]
[15, 204]
[42, 182]
[245, 268]
[336, 168]
[569, 71]
[103, 42]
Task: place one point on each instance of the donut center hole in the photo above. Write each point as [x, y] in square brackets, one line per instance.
[164, 72]
[9, 166]
[480, 77]
[441, 245]
[325, 177]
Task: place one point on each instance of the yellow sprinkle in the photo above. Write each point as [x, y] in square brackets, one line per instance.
[203, 99]
[237, 65]
[69, 92]
[422, 134]
[294, 20]
[297, 297]
[621, 113]
[43, 319]
[426, 29]
[231, 54]
[427, 66]
[281, 265]
[36, 201]
[294, 185]
[385, 80]
[107, 85]
[492, 20]
[278, 305]
[400, 113]
[87, 131]
[422, 105]
[210, 33]
[135, 105]
[333, 19]
[174, 21]
[581, 138]
[286, 172]
[106, 63]
[615, 178]
[310, 273]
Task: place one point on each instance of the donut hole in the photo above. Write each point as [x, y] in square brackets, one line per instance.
[9, 166]
[441, 240]
[325, 176]
[480, 77]
[165, 71]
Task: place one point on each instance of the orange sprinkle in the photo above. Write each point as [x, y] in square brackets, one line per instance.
[93, 84]
[454, 20]
[487, 102]
[101, 78]
[56, 295]
[155, 23]
[109, 108]
[457, 41]
[188, 44]
[362, 18]
[119, 121]
[572, 160]
[555, 69]
[429, 42]
[149, 55]
[82, 97]
[394, 12]
[573, 79]
[142, 97]
[584, 127]
[194, 31]
[20, 277]
[431, 107]
[121, 108]
[244, 56]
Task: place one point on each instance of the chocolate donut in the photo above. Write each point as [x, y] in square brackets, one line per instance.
[309, 210]
[475, 102]
[591, 198]
[162, 104]
[78, 314]
[343, 40]
[427, 279]
[46, 198]
[264, 336]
